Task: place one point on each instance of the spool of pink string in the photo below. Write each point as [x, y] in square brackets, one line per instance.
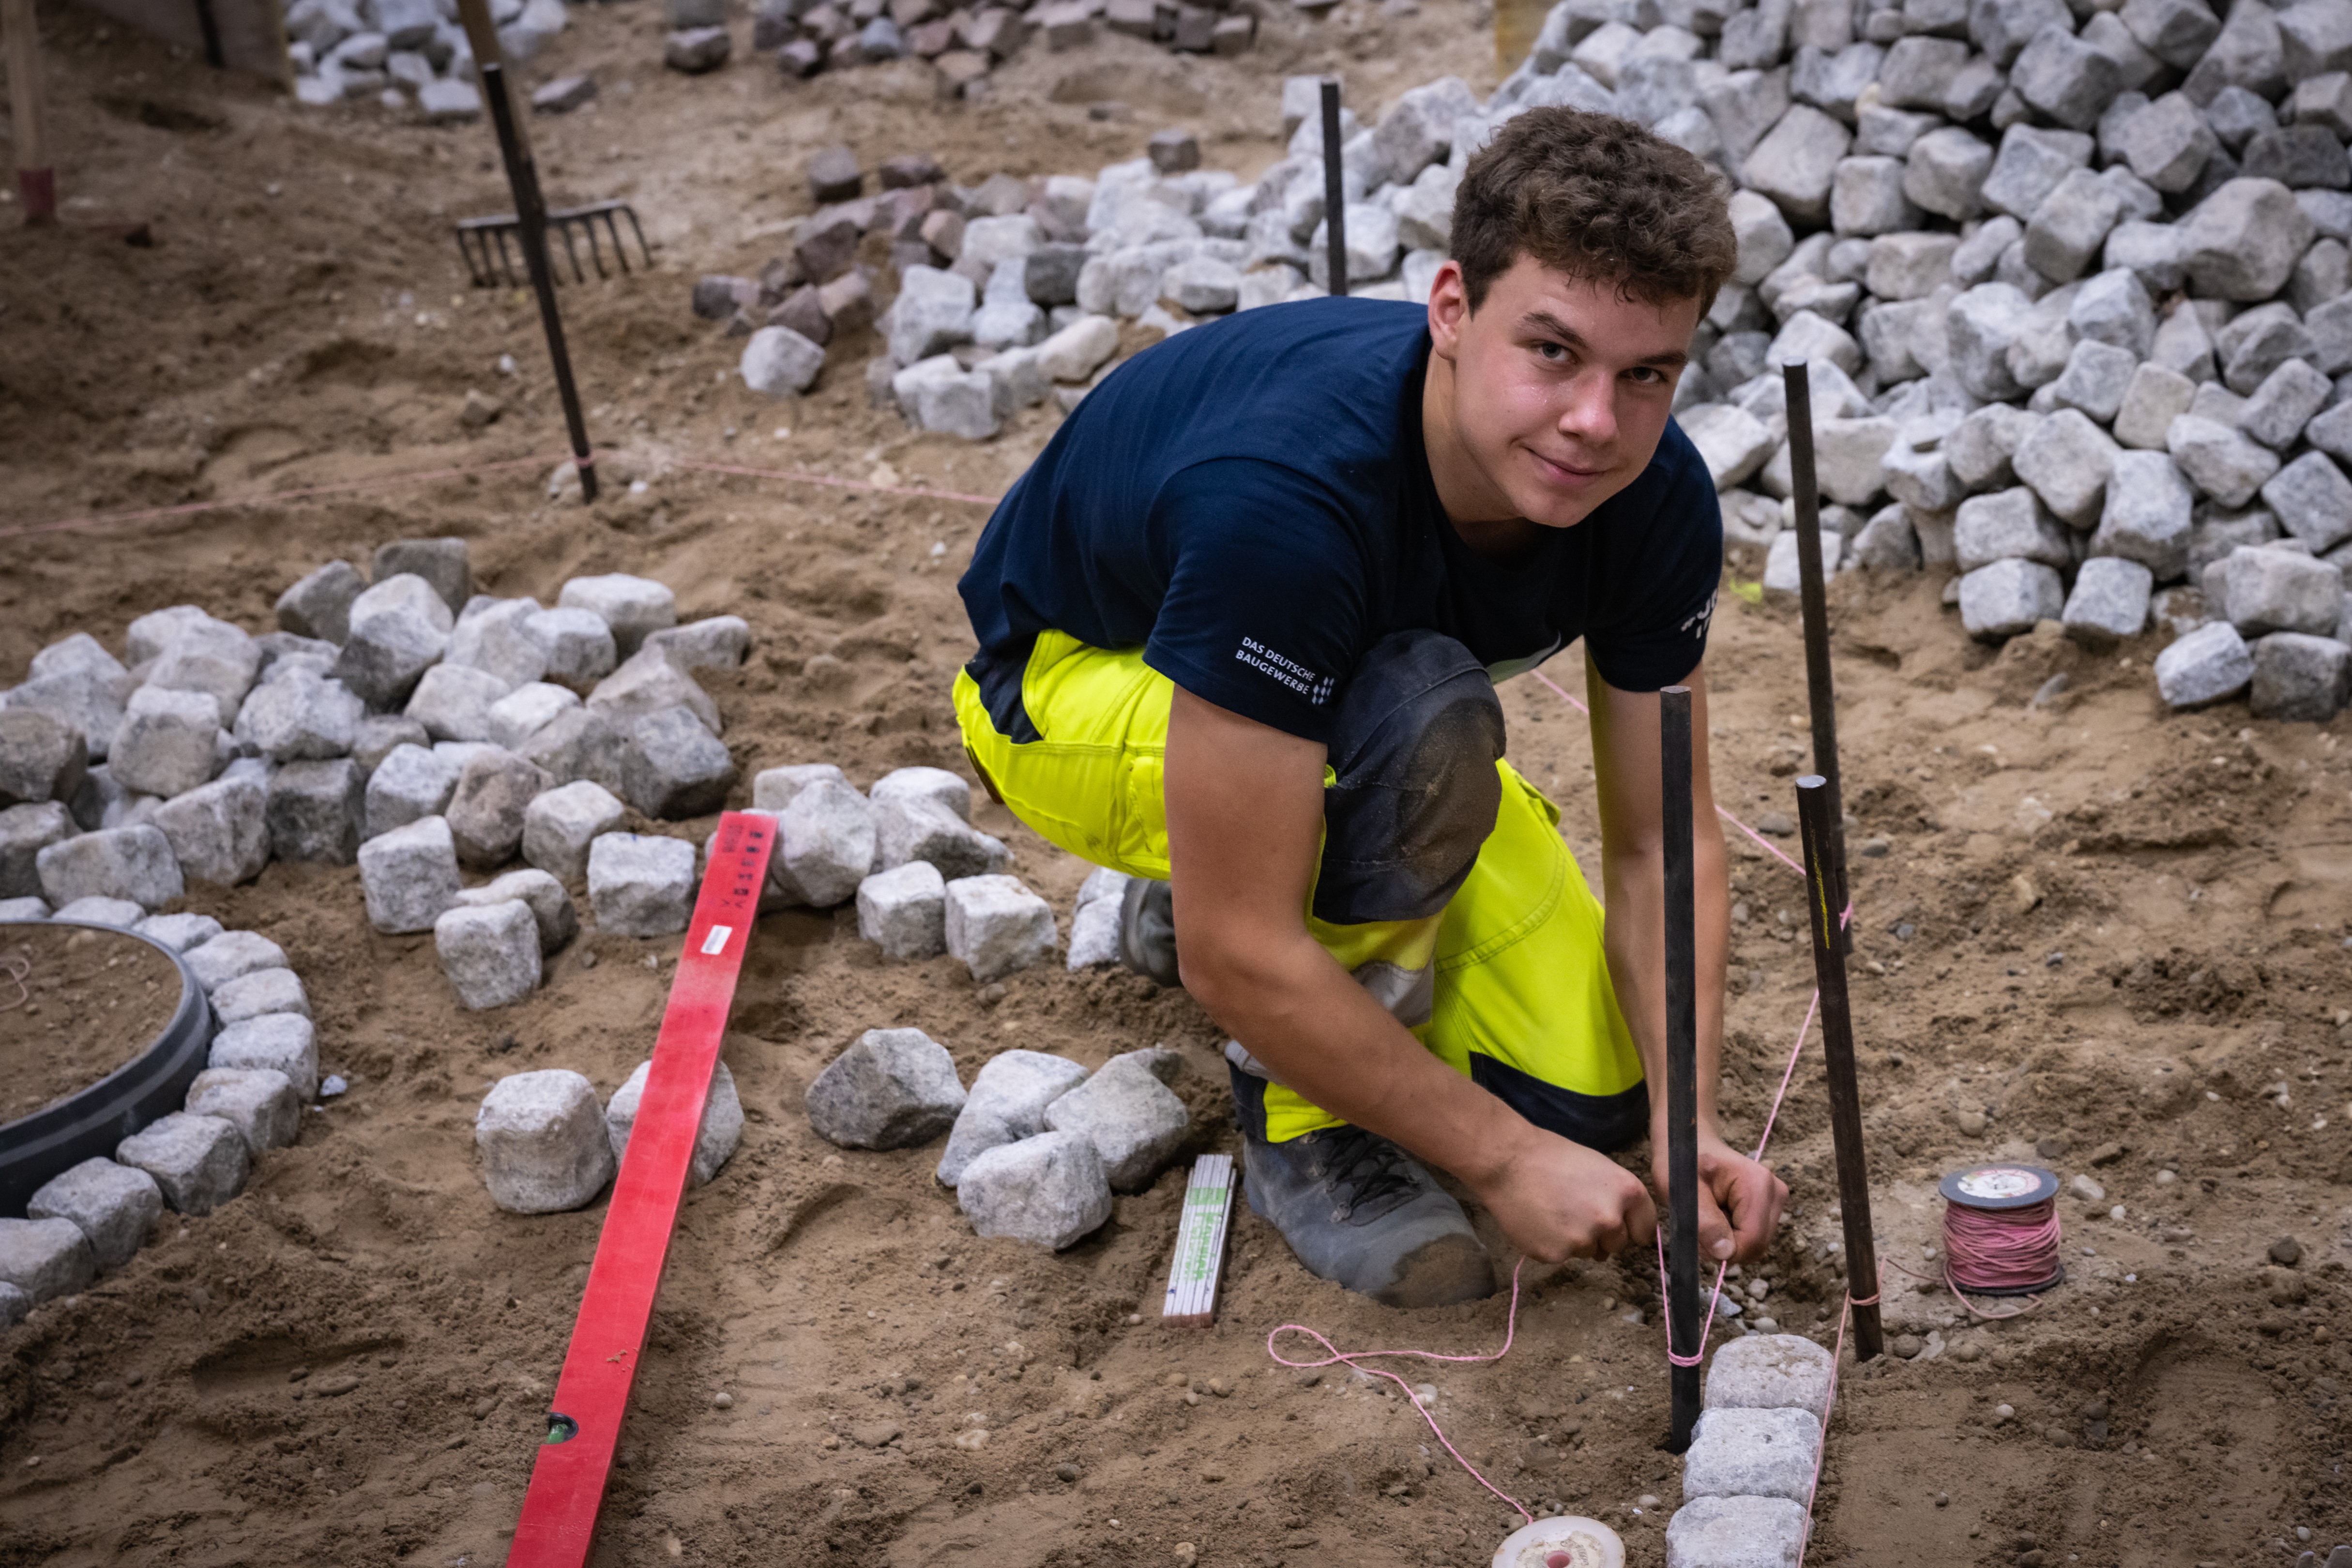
[2002, 1232]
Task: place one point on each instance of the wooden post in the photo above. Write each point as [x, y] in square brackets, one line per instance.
[1518, 25]
[1335, 188]
[36, 178]
[1821, 695]
[1684, 1320]
[1816, 811]
[530, 221]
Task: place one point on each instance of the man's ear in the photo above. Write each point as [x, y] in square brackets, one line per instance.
[1449, 309]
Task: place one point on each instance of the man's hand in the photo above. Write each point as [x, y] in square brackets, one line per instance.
[1557, 1200]
[1739, 1201]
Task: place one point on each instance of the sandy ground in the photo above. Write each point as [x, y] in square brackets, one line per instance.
[2114, 934]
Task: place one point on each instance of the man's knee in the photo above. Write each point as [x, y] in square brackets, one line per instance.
[1415, 743]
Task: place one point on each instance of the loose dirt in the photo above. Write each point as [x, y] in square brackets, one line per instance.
[2093, 929]
[92, 1000]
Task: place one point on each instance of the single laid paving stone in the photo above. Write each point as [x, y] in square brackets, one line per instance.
[315, 810]
[2264, 590]
[282, 1042]
[111, 1204]
[453, 701]
[891, 1088]
[1770, 1372]
[2300, 676]
[1007, 1103]
[526, 710]
[230, 955]
[300, 715]
[490, 952]
[411, 783]
[199, 1162]
[639, 885]
[135, 863]
[320, 606]
[1753, 1453]
[1737, 1532]
[25, 830]
[2313, 501]
[997, 926]
[559, 826]
[578, 645]
[166, 746]
[634, 608]
[98, 911]
[2208, 664]
[542, 1141]
[772, 789]
[2149, 514]
[1048, 1189]
[919, 830]
[2109, 602]
[715, 1137]
[904, 910]
[219, 832]
[715, 642]
[551, 907]
[1136, 1123]
[260, 1103]
[934, 784]
[495, 789]
[410, 876]
[179, 933]
[443, 562]
[399, 629]
[45, 1258]
[262, 991]
[825, 845]
[2217, 459]
[674, 767]
[649, 683]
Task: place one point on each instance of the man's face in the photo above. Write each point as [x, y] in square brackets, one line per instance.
[1559, 389]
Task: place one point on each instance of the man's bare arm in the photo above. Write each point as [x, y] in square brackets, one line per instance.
[1740, 1202]
[1245, 818]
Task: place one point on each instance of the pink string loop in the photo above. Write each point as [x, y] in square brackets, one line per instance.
[1354, 1358]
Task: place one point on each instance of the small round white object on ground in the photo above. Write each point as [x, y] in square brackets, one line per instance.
[1585, 1543]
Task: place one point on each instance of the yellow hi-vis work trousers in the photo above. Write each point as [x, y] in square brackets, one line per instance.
[1508, 985]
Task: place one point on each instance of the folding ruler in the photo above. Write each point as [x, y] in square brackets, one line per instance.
[583, 1425]
[1192, 1299]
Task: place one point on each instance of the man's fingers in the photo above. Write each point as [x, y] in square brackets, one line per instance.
[1714, 1242]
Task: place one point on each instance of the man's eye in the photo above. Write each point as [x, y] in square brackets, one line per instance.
[1553, 352]
[1647, 375]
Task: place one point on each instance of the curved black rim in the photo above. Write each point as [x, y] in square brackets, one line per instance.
[97, 1116]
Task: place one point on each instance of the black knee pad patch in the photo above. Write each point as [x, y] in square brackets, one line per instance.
[1415, 743]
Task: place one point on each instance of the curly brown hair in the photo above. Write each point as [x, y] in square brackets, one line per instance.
[1598, 199]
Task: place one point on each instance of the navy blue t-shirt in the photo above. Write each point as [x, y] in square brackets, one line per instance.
[1250, 503]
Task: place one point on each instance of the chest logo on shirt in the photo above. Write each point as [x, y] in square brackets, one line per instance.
[1697, 625]
[1315, 688]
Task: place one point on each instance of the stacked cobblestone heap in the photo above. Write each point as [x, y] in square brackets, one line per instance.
[2072, 280]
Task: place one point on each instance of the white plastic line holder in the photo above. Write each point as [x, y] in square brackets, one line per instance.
[1193, 1272]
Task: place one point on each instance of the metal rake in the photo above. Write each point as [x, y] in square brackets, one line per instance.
[492, 259]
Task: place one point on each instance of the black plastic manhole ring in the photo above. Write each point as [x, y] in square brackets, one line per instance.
[96, 1118]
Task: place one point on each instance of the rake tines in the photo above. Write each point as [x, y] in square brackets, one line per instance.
[483, 242]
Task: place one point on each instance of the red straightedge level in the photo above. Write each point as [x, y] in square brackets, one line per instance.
[1200, 1257]
[576, 1458]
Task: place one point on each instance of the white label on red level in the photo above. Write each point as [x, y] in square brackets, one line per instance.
[717, 941]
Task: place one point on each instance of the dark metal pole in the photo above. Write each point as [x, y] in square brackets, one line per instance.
[1335, 189]
[1817, 811]
[1821, 695]
[1684, 1321]
[530, 219]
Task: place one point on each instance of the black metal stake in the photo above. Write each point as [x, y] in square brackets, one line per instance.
[1817, 812]
[1683, 1310]
[1335, 192]
[531, 220]
[1821, 695]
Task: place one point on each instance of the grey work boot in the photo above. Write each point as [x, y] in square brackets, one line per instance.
[1358, 1210]
[1147, 930]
